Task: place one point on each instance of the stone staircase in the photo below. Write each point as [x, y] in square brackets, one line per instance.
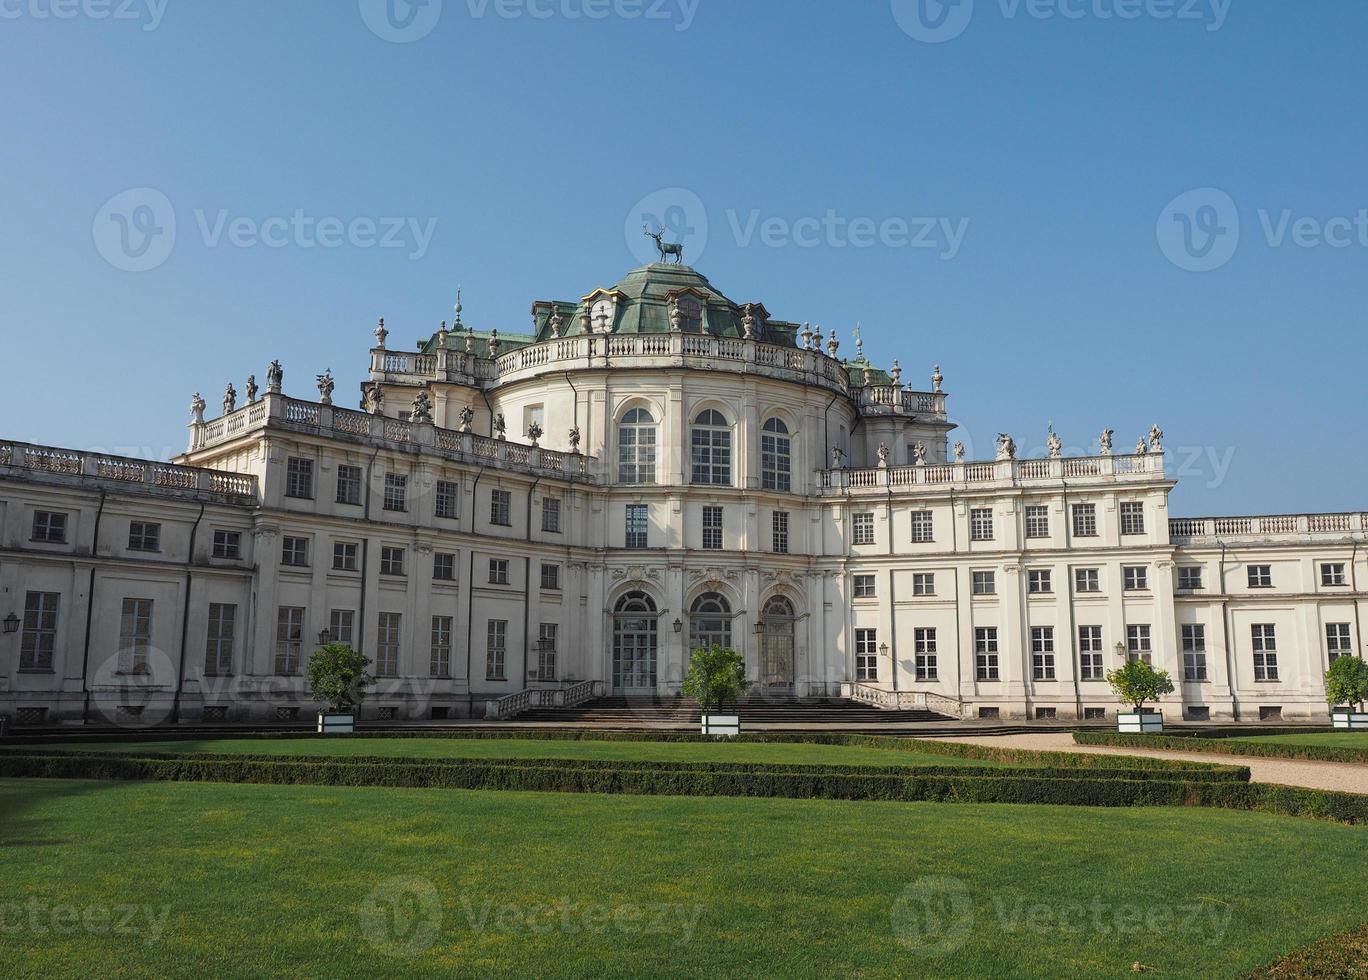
[684, 713]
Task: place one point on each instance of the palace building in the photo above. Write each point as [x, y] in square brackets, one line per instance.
[514, 521]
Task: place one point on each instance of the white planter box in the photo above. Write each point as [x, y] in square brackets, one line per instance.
[1353, 720]
[721, 725]
[329, 723]
[1139, 724]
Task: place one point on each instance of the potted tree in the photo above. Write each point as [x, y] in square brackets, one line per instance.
[338, 678]
[1135, 683]
[716, 675]
[1346, 682]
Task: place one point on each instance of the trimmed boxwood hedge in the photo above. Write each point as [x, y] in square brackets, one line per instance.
[1225, 746]
[983, 787]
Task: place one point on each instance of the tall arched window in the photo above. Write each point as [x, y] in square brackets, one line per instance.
[690, 314]
[776, 457]
[711, 449]
[709, 622]
[637, 447]
[634, 644]
[776, 649]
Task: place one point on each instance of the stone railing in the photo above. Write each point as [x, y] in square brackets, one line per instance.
[902, 700]
[512, 705]
[1308, 526]
[892, 399]
[1008, 472]
[329, 421]
[126, 471]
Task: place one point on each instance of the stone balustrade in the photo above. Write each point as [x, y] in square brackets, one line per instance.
[1188, 530]
[1007, 472]
[329, 421]
[102, 468]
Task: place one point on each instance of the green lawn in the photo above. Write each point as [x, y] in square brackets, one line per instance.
[482, 748]
[1341, 740]
[137, 879]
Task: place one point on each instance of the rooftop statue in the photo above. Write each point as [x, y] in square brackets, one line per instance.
[574, 438]
[666, 249]
[467, 418]
[1055, 444]
[229, 398]
[252, 389]
[275, 378]
[375, 400]
[197, 407]
[1156, 439]
[325, 387]
[422, 408]
[1006, 447]
[959, 452]
[1106, 441]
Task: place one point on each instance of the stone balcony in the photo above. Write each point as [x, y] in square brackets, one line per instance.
[125, 473]
[330, 422]
[1285, 528]
[1085, 471]
[651, 350]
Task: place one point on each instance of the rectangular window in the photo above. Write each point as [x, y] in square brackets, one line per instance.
[921, 527]
[551, 515]
[712, 528]
[1337, 642]
[501, 508]
[546, 652]
[443, 567]
[1194, 652]
[865, 587]
[1132, 517]
[387, 638]
[1042, 653]
[299, 478]
[49, 527]
[1038, 581]
[496, 643]
[534, 415]
[289, 639]
[1090, 653]
[396, 492]
[866, 655]
[342, 625]
[923, 583]
[1085, 520]
[862, 528]
[925, 640]
[985, 583]
[135, 636]
[1037, 521]
[981, 524]
[498, 571]
[637, 526]
[1189, 578]
[986, 653]
[446, 499]
[294, 551]
[345, 556]
[144, 536]
[780, 526]
[1265, 641]
[218, 647]
[1135, 578]
[39, 642]
[1261, 576]
[550, 577]
[439, 660]
[349, 484]
[1138, 645]
[391, 560]
[1087, 580]
[1332, 573]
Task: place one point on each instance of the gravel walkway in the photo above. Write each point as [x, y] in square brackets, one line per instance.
[1340, 776]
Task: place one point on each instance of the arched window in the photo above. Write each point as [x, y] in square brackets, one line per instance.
[711, 449]
[709, 622]
[690, 314]
[634, 644]
[776, 457]
[637, 447]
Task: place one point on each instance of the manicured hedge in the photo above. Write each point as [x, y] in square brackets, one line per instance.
[1225, 746]
[987, 787]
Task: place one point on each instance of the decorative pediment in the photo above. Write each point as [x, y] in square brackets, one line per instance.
[612, 295]
[636, 573]
[784, 578]
[714, 575]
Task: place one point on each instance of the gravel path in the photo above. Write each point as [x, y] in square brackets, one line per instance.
[1340, 776]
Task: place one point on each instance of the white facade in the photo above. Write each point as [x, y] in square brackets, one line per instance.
[728, 479]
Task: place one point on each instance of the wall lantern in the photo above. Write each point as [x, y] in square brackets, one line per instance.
[11, 623]
[883, 649]
[759, 627]
[324, 636]
[678, 625]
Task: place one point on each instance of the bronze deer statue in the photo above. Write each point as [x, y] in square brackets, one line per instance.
[666, 249]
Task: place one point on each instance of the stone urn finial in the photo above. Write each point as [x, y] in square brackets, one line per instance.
[936, 378]
[380, 334]
[896, 373]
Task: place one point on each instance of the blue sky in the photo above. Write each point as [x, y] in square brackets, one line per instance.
[1052, 147]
